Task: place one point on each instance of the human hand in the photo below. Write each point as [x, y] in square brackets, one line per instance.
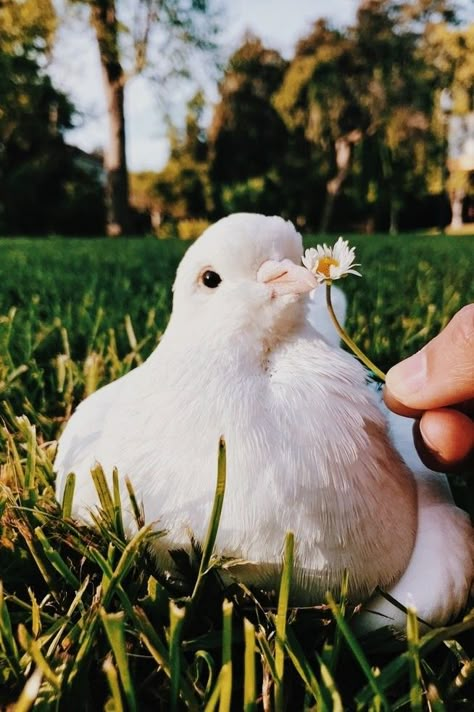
[436, 385]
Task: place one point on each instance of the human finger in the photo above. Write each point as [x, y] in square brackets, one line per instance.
[444, 439]
[442, 373]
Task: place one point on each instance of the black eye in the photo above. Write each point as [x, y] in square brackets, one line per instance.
[211, 279]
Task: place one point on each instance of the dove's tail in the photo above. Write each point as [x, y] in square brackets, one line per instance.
[318, 315]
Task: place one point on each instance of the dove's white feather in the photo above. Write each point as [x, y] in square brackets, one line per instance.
[307, 448]
[440, 573]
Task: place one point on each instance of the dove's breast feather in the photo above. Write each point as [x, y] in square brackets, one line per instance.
[306, 451]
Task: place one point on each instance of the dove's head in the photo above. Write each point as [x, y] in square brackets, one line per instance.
[242, 277]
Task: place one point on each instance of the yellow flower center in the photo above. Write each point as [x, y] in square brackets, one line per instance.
[323, 265]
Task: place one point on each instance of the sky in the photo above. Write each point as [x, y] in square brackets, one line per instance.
[76, 70]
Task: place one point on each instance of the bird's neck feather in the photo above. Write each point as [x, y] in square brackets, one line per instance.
[232, 344]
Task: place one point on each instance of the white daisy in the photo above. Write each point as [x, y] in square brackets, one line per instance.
[330, 263]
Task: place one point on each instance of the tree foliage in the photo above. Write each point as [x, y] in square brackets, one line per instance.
[348, 133]
[247, 135]
[42, 189]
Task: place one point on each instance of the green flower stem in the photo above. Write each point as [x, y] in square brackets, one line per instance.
[347, 339]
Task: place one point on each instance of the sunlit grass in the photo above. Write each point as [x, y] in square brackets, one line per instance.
[87, 620]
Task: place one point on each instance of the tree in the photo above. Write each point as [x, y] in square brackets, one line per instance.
[134, 36]
[399, 98]
[364, 97]
[320, 95]
[182, 190]
[247, 137]
[451, 51]
[41, 186]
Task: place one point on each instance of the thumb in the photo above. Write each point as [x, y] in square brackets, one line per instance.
[442, 373]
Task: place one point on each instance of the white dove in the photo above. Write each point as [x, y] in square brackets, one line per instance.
[308, 448]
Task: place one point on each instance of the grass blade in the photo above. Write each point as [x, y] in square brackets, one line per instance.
[338, 635]
[68, 495]
[208, 661]
[75, 603]
[358, 654]
[7, 639]
[160, 653]
[250, 684]
[214, 520]
[30, 692]
[112, 679]
[30, 468]
[125, 562]
[56, 560]
[137, 511]
[177, 615]
[282, 611]
[103, 492]
[413, 639]
[267, 654]
[304, 669]
[118, 519]
[115, 628]
[225, 676]
[329, 684]
[33, 648]
[395, 670]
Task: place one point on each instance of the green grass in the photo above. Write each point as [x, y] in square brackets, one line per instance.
[87, 621]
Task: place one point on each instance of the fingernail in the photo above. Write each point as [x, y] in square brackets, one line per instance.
[407, 377]
[427, 454]
[424, 432]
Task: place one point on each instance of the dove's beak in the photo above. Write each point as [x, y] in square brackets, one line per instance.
[286, 278]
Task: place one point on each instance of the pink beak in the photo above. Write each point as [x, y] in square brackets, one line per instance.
[286, 278]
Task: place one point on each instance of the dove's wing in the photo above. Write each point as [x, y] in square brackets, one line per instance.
[318, 316]
[440, 573]
[79, 441]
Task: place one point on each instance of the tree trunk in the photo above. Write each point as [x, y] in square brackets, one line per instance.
[394, 212]
[343, 148]
[456, 198]
[104, 21]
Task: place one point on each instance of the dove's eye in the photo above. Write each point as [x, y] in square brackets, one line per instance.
[210, 279]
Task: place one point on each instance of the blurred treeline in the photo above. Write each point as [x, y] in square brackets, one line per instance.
[349, 133]
[44, 188]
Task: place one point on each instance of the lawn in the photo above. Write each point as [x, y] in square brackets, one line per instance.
[84, 614]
